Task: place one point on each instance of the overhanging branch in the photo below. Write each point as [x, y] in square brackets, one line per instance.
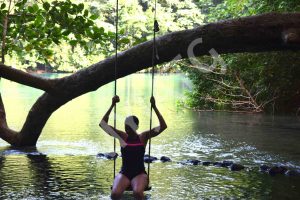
[24, 78]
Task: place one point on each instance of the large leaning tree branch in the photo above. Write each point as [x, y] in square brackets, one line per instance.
[24, 78]
[268, 32]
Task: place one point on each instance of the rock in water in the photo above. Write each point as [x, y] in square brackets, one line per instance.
[206, 163]
[227, 163]
[264, 168]
[110, 156]
[293, 172]
[165, 159]
[194, 162]
[219, 164]
[236, 167]
[277, 170]
[149, 159]
[190, 162]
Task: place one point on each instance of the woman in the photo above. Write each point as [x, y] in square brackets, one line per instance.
[133, 150]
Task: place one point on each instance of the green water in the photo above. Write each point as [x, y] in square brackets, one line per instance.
[64, 164]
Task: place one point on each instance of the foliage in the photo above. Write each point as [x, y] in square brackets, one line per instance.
[35, 29]
[70, 35]
[229, 9]
[271, 79]
[253, 82]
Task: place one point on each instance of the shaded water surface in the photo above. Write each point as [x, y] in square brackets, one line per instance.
[64, 164]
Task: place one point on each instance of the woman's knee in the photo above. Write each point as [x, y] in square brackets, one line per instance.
[138, 194]
[116, 194]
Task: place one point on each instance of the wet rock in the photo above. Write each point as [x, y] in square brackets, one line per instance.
[110, 156]
[264, 168]
[227, 163]
[277, 170]
[217, 164]
[165, 159]
[149, 159]
[293, 173]
[190, 162]
[206, 163]
[236, 167]
[194, 162]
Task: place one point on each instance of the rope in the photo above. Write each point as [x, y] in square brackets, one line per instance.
[116, 64]
[155, 29]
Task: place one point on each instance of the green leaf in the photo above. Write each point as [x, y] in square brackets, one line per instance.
[73, 42]
[80, 7]
[124, 41]
[46, 6]
[35, 7]
[30, 9]
[86, 13]
[94, 17]
[66, 32]
[3, 5]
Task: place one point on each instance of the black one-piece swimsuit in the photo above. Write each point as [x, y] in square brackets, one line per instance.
[133, 158]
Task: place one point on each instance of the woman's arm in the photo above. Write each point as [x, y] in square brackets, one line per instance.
[115, 100]
[109, 129]
[162, 123]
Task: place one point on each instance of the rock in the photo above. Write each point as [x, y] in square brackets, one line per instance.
[236, 167]
[110, 156]
[194, 162]
[206, 163]
[293, 172]
[264, 168]
[277, 170]
[150, 159]
[227, 163]
[219, 164]
[165, 159]
[190, 162]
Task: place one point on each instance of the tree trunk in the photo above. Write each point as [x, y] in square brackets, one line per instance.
[268, 32]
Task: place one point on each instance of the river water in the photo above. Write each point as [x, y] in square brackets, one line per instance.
[64, 164]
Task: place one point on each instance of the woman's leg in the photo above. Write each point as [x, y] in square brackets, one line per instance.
[139, 183]
[121, 182]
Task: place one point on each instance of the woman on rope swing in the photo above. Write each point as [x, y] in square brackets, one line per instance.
[133, 150]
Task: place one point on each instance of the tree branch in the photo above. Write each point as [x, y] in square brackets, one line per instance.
[24, 78]
[246, 91]
[224, 84]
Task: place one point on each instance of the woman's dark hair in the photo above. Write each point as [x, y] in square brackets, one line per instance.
[135, 119]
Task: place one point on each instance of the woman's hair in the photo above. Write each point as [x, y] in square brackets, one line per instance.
[132, 121]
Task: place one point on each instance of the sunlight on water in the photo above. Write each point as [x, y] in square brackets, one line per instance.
[64, 164]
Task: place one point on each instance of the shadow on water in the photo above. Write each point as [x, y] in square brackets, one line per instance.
[38, 175]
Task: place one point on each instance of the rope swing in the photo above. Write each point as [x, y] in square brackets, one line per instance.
[154, 52]
[116, 64]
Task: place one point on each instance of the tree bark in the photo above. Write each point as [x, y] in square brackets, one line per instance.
[268, 32]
